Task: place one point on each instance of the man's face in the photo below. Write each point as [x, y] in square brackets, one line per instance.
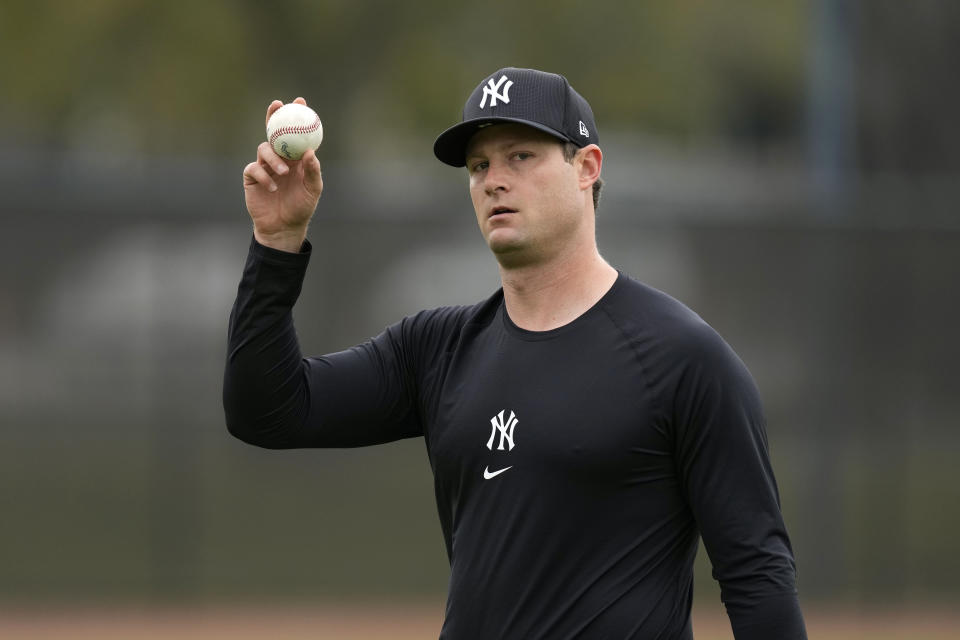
[525, 195]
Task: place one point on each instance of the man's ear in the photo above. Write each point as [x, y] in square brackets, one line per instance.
[589, 165]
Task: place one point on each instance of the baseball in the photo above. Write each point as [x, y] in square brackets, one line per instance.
[294, 128]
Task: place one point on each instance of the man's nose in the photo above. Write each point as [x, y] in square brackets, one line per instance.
[495, 179]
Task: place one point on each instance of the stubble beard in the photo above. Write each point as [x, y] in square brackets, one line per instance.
[512, 253]
[525, 251]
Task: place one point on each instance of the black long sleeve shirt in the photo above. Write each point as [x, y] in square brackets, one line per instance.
[574, 469]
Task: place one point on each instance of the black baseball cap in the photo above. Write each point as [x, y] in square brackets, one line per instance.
[542, 100]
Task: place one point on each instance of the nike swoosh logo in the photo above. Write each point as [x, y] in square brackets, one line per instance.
[487, 474]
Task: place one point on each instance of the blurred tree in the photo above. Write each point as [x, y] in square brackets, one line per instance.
[195, 78]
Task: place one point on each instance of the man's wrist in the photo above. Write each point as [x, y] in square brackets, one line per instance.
[290, 241]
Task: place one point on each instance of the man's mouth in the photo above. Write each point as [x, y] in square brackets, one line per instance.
[496, 211]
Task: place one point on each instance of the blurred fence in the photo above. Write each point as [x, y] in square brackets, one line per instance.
[118, 479]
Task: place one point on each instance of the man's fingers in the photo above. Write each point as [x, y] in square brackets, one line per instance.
[312, 177]
[254, 173]
[271, 159]
[276, 104]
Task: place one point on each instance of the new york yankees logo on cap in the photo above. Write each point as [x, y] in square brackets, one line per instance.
[538, 99]
[492, 90]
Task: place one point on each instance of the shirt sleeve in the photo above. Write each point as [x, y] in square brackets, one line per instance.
[722, 451]
[274, 397]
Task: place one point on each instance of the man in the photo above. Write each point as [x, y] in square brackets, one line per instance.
[582, 427]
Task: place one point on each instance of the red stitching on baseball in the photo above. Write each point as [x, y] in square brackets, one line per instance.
[310, 128]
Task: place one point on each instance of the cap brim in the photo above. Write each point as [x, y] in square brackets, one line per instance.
[451, 145]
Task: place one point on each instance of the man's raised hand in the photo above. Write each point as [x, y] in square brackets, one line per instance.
[281, 195]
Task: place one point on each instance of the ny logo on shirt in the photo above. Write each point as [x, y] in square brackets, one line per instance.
[505, 429]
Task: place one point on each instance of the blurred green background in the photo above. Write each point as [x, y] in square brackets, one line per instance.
[790, 170]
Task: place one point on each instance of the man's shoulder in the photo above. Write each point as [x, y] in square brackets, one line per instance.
[671, 336]
[652, 308]
[445, 324]
[650, 314]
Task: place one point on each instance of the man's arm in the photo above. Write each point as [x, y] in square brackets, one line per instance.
[272, 396]
[724, 463]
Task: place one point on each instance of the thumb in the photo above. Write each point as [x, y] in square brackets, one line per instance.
[312, 176]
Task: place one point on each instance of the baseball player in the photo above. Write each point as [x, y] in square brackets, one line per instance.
[584, 430]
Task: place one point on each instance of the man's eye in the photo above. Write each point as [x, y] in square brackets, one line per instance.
[478, 166]
[523, 155]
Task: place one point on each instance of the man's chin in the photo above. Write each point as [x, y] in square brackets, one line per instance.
[501, 245]
[504, 240]
[511, 254]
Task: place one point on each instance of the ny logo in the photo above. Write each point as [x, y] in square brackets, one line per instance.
[492, 90]
[505, 429]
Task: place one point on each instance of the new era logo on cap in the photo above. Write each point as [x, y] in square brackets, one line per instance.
[538, 99]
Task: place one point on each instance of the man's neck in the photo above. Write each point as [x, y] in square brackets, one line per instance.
[540, 297]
